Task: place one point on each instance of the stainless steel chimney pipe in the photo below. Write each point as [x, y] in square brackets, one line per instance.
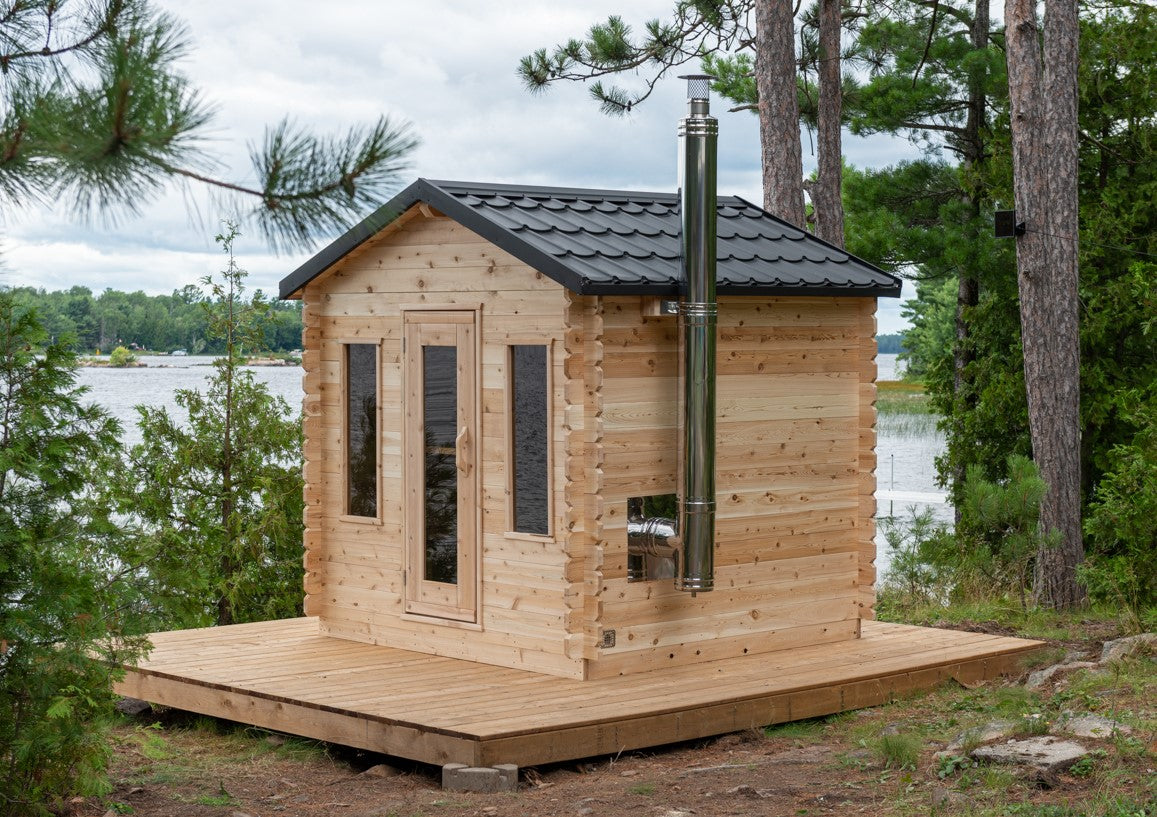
[689, 540]
[698, 133]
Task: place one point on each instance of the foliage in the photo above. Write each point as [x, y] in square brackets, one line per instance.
[1000, 529]
[930, 339]
[94, 111]
[219, 498]
[889, 344]
[121, 358]
[988, 557]
[1122, 523]
[892, 219]
[696, 28]
[161, 323]
[922, 70]
[914, 578]
[59, 597]
[915, 218]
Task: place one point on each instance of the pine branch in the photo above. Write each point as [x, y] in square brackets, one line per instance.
[697, 30]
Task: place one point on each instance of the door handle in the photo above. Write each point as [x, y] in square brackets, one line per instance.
[462, 451]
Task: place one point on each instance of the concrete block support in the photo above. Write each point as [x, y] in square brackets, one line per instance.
[485, 779]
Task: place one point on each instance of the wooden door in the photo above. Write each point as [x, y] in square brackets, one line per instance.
[441, 464]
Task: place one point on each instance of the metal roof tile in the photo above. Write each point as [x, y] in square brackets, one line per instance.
[614, 241]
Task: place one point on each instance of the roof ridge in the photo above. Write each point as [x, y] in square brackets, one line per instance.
[544, 190]
[454, 186]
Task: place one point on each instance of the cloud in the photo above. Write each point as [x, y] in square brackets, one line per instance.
[447, 67]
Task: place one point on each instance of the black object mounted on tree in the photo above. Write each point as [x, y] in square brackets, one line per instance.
[1006, 224]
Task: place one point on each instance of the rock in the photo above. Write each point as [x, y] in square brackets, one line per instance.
[274, 740]
[382, 770]
[1125, 647]
[1091, 726]
[991, 731]
[240, 814]
[628, 773]
[1041, 677]
[944, 797]
[1041, 778]
[745, 791]
[892, 729]
[133, 707]
[1047, 753]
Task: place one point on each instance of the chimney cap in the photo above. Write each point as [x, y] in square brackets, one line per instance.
[698, 85]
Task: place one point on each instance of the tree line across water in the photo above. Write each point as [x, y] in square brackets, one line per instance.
[94, 324]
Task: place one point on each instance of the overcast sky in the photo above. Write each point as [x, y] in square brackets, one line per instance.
[446, 67]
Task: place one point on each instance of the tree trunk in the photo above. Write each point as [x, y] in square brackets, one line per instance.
[778, 110]
[1043, 99]
[826, 192]
[968, 290]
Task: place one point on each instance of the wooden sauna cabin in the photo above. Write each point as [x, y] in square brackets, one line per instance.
[492, 379]
[586, 471]
[494, 385]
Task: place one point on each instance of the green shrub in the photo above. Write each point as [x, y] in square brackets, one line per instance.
[59, 607]
[1122, 525]
[121, 357]
[1000, 533]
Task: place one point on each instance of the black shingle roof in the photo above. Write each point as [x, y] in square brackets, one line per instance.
[616, 242]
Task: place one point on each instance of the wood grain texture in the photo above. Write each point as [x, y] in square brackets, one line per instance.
[290, 676]
[354, 580]
[795, 452]
[795, 468]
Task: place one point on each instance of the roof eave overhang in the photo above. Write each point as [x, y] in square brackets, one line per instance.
[292, 284]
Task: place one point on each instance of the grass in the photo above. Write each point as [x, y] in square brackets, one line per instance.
[1033, 623]
[191, 748]
[810, 729]
[901, 397]
[899, 751]
[884, 755]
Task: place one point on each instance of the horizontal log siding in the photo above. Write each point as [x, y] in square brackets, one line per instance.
[794, 460]
[532, 599]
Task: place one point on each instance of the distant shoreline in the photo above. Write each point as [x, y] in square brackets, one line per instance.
[103, 363]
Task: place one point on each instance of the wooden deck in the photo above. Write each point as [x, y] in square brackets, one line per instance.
[283, 675]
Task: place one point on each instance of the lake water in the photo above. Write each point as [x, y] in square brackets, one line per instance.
[906, 445]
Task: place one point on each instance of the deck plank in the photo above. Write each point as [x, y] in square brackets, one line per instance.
[286, 675]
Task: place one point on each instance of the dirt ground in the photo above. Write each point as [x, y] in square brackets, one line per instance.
[878, 761]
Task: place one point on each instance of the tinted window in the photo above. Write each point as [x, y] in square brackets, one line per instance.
[440, 399]
[531, 436]
[361, 428]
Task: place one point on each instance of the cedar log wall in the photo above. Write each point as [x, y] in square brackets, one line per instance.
[529, 600]
[795, 466]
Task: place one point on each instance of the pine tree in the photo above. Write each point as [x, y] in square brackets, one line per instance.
[60, 599]
[748, 45]
[95, 111]
[1043, 101]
